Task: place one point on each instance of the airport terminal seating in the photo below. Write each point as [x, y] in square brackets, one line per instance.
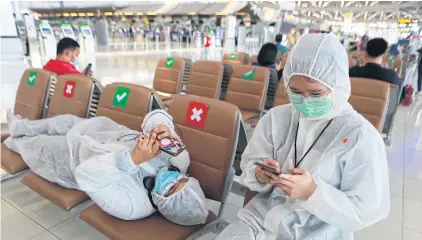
[207, 79]
[32, 98]
[137, 106]
[247, 89]
[82, 103]
[213, 169]
[237, 57]
[373, 105]
[143, 101]
[170, 75]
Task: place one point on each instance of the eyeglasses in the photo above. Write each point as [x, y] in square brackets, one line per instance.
[315, 100]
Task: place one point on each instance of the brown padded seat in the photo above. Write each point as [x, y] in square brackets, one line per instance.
[281, 97]
[254, 58]
[248, 95]
[63, 197]
[138, 105]
[4, 131]
[205, 79]
[31, 99]
[77, 105]
[371, 104]
[210, 167]
[241, 58]
[154, 227]
[169, 79]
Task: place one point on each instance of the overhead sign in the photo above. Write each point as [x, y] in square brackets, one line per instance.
[404, 20]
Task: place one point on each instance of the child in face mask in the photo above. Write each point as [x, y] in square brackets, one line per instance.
[178, 197]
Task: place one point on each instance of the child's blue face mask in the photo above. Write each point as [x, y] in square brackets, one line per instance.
[165, 179]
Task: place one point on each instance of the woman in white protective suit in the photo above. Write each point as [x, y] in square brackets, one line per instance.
[334, 173]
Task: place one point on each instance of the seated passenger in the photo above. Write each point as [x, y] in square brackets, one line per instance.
[332, 166]
[66, 59]
[376, 51]
[268, 57]
[103, 159]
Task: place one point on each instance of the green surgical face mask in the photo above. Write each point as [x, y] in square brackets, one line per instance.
[311, 106]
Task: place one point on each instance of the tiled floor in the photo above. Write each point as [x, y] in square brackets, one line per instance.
[25, 215]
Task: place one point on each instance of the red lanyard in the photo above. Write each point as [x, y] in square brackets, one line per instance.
[297, 130]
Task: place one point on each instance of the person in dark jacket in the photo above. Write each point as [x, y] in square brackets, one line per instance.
[376, 50]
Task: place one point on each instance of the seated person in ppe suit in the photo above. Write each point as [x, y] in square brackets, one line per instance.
[90, 155]
[333, 177]
[178, 197]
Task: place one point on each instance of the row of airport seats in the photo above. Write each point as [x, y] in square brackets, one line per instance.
[98, 102]
[85, 97]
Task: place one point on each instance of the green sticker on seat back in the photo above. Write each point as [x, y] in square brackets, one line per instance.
[121, 96]
[169, 62]
[232, 56]
[249, 75]
[31, 78]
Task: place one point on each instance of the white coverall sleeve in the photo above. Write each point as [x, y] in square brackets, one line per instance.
[363, 197]
[260, 147]
[113, 189]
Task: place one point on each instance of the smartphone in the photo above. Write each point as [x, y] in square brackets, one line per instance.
[88, 68]
[172, 146]
[268, 168]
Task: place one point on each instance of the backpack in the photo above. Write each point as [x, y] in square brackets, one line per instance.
[407, 95]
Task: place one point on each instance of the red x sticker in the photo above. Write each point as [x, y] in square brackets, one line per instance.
[196, 114]
[69, 89]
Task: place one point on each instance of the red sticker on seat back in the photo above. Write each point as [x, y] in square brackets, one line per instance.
[69, 89]
[196, 114]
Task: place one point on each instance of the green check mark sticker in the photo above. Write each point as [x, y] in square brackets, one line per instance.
[169, 62]
[232, 56]
[121, 96]
[31, 79]
[249, 75]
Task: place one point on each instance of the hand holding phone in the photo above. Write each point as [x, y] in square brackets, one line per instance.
[172, 146]
[88, 69]
[269, 168]
[267, 171]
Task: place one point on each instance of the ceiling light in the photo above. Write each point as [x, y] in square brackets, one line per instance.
[139, 13]
[73, 14]
[128, 13]
[108, 13]
[191, 13]
[66, 14]
[151, 13]
[90, 14]
[82, 14]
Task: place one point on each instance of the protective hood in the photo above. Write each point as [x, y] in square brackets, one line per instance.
[186, 207]
[322, 58]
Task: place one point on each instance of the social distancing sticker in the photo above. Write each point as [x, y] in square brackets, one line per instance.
[196, 114]
[249, 75]
[121, 96]
[169, 62]
[32, 78]
[232, 56]
[69, 89]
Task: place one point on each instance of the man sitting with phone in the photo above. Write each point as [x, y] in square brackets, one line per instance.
[67, 59]
[109, 162]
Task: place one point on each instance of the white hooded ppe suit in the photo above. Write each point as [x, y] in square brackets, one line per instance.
[348, 163]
